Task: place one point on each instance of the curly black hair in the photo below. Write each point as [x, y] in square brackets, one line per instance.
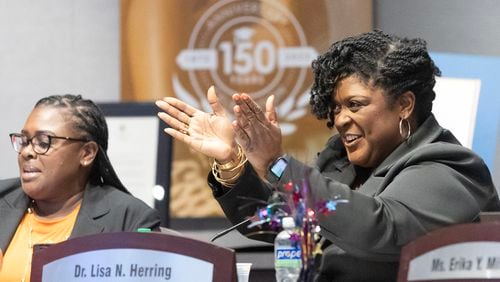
[88, 119]
[394, 64]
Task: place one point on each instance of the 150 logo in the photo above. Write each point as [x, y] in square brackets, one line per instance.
[256, 47]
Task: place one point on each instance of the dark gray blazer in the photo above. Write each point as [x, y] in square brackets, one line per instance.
[428, 182]
[103, 209]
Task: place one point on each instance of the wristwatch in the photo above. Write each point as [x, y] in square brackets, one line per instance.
[276, 169]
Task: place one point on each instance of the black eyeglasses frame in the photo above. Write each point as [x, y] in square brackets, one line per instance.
[36, 147]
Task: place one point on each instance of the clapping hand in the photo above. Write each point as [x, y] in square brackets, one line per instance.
[208, 133]
[257, 132]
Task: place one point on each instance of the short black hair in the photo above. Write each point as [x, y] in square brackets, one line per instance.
[89, 120]
[392, 63]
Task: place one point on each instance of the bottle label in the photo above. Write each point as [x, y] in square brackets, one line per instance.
[288, 257]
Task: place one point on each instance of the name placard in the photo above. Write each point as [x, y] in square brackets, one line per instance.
[127, 264]
[468, 260]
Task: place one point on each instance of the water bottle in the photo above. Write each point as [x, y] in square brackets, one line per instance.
[287, 258]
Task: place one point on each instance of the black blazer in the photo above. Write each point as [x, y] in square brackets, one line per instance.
[428, 182]
[103, 209]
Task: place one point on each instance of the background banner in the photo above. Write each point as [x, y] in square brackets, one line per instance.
[181, 48]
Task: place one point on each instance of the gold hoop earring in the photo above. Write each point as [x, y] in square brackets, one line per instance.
[401, 129]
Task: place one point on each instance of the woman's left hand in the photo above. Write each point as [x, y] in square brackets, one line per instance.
[257, 132]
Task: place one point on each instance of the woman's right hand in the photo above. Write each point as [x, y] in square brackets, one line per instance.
[208, 133]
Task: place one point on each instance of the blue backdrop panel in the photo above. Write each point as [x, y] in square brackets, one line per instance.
[488, 113]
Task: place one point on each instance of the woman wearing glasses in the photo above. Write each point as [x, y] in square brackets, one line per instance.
[67, 186]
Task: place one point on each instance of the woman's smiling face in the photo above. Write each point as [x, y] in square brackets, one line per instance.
[367, 123]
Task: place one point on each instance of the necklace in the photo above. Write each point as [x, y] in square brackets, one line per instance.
[46, 231]
[30, 242]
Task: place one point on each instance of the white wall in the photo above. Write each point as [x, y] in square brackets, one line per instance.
[457, 26]
[54, 47]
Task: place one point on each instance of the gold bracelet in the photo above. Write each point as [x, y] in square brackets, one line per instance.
[233, 166]
[228, 182]
[233, 163]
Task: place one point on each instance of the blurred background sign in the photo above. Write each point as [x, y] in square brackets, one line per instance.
[181, 48]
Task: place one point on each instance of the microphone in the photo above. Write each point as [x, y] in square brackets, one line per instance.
[225, 231]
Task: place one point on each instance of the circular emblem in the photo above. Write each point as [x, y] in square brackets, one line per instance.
[256, 47]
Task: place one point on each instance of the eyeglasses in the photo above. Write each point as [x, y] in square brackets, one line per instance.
[40, 142]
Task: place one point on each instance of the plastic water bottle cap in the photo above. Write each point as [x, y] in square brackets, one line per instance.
[288, 222]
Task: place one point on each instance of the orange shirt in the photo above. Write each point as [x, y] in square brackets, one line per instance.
[16, 264]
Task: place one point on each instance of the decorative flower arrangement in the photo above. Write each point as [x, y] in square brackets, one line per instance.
[295, 200]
